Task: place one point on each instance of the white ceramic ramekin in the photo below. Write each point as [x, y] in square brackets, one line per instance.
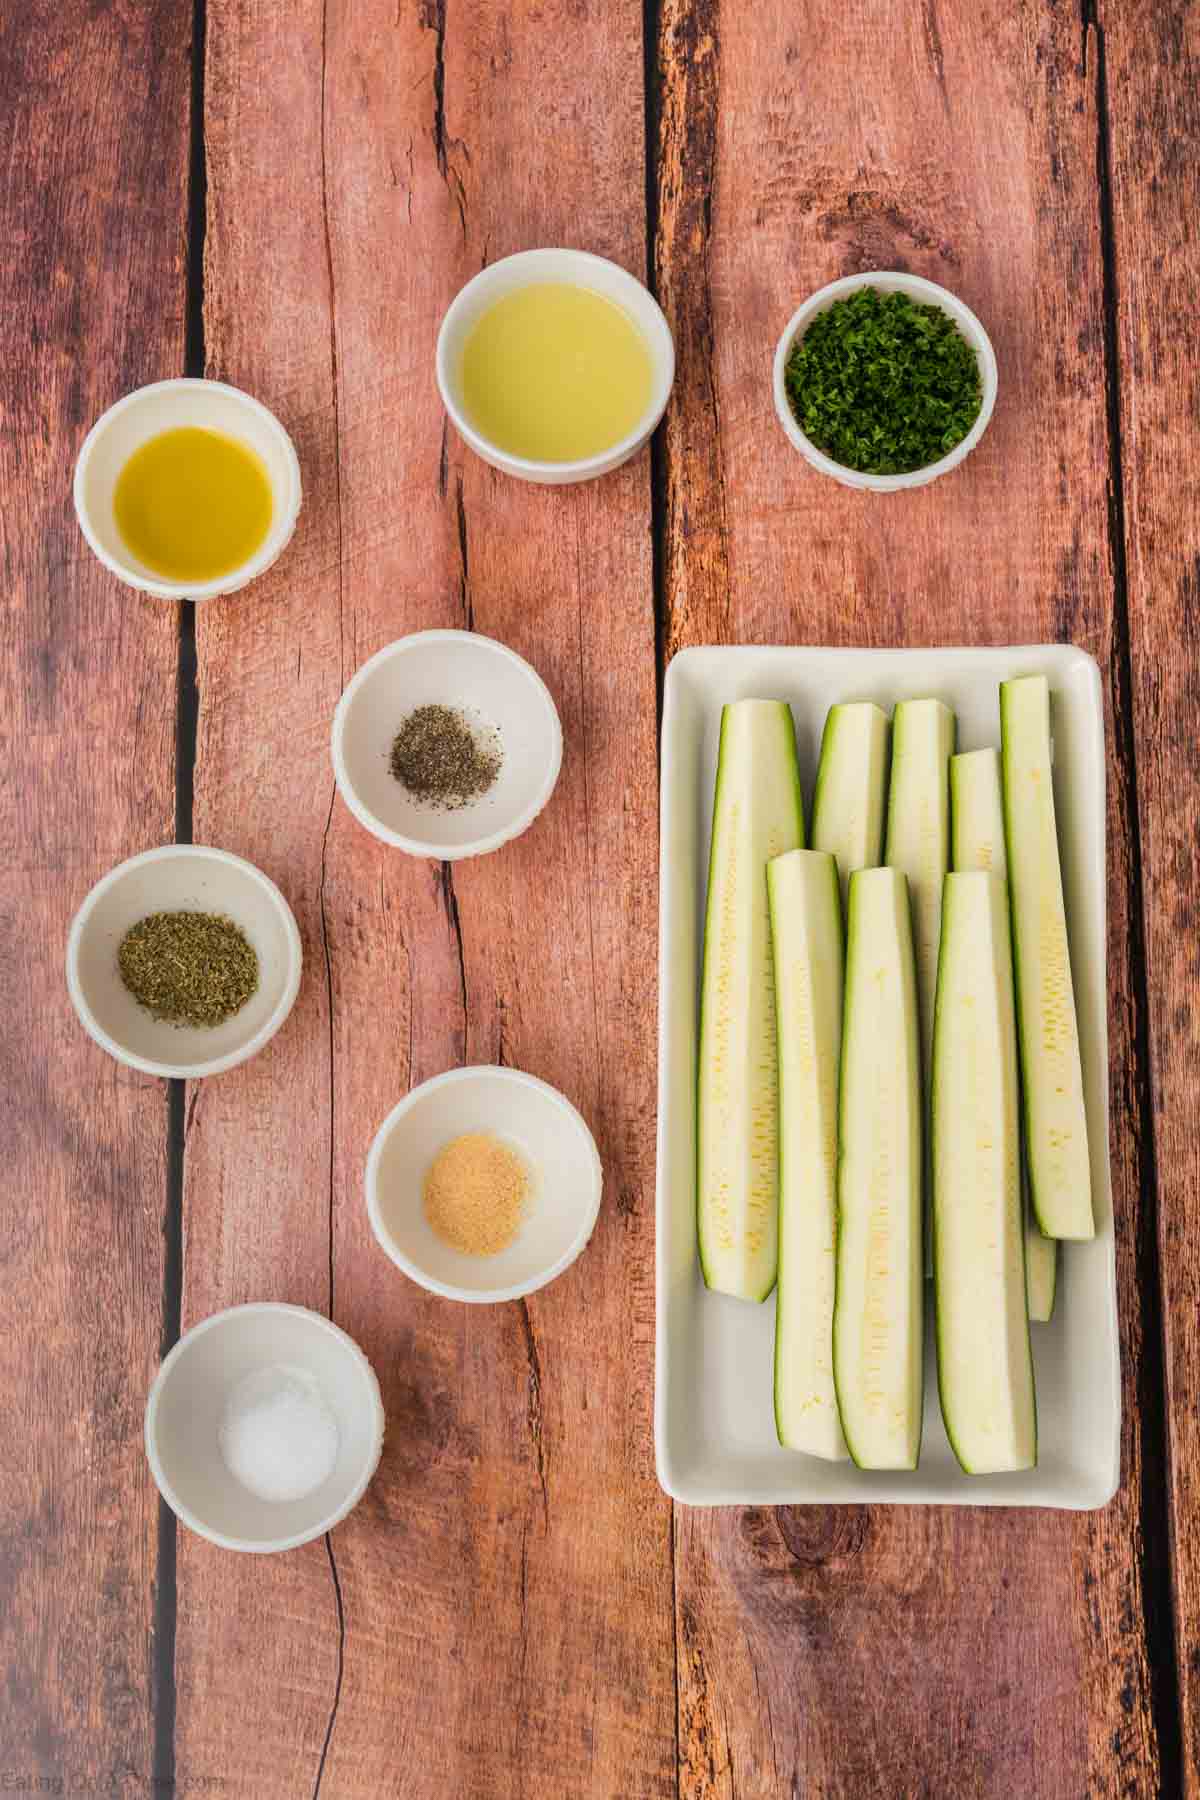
[927, 293]
[165, 406]
[181, 878]
[491, 684]
[188, 1398]
[523, 270]
[552, 1138]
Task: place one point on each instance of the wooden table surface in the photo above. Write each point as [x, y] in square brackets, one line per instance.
[285, 195]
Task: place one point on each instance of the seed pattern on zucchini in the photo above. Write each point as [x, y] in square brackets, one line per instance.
[757, 814]
[851, 790]
[806, 936]
[977, 831]
[1051, 1071]
[985, 1368]
[879, 1311]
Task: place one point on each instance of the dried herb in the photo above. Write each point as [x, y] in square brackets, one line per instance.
[441, 760]
[883, 384]
[188, 968]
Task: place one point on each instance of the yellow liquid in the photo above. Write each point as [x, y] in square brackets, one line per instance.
[555, 372]
[192, 504]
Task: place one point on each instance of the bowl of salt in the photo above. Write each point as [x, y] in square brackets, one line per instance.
[264, 1426]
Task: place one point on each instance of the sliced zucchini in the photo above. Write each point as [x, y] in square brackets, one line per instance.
[806, 939]
[918, 843]
[977, 820]
[879, 1320]
[757, 814]
[1051, 1074]
[848, 804]
[985, 1368]
[977, 812]
[1041, 1262]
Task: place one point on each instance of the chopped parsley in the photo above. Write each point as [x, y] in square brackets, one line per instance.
[883, 384]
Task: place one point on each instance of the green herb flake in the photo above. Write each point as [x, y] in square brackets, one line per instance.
[188, 968]
[883, 384]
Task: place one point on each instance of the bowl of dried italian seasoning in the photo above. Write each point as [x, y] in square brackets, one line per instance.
[183, 961]
[884, 381]
[446, 744]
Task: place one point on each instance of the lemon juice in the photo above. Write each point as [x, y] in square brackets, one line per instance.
[193, 504]
[555, 372]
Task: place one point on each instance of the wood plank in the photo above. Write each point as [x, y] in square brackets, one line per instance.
[93, 163]
[257, 1638]
[506, 1584]
[895, 1651]
[1152, 85]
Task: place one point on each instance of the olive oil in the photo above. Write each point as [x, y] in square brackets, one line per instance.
[555, 372]
[193, 504]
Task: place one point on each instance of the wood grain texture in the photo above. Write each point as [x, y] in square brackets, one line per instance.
[843, 1653]
[93, 137]
[257, 1644]
[505, 1587]
[1152, 69]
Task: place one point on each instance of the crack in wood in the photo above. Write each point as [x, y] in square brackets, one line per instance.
[322, 910]
[671, 1524]
[433, 18]
[1160, 1624]
[533, 1410]
[694, 502]
[164, 1699]
[584, 764]
[341, 1664]
[464, 571]
[524, 1614]
[933, 47]
[449, 899]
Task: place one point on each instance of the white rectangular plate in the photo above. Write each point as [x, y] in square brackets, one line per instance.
[714, 1421]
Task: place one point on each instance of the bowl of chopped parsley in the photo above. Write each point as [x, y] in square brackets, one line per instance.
[884, 381]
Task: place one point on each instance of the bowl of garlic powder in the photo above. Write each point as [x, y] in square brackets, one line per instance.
[483, 1184]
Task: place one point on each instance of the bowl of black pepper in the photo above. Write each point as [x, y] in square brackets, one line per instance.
[183, 961]
[446, 744]
[884, 381]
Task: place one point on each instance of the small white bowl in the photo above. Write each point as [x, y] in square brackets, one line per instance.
[495, 688]
[188, 1399]
[181, 878]
[165, 406]
[926, 293]
[539, 1123]
[584, 270]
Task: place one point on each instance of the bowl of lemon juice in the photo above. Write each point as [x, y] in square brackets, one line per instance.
[187, 489]
[555, 365]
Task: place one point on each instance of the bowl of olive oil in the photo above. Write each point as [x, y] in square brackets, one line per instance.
[187, 489]
[555, 365]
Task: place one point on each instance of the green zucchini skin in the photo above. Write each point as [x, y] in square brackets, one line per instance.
[758, 813]
[985, 1365]
[806, 935]
[1056, 1134]
[879, 1306]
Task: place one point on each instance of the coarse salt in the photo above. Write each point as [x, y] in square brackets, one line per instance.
[278, 1436]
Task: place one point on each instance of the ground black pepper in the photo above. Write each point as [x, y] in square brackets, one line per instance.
[442, 760]
[188, 968]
